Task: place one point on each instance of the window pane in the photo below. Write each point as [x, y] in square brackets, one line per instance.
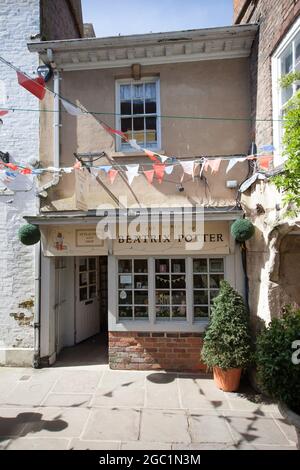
[213, 295]
[141, 282]
[125, 266]
[200, 265]
[126, 126]
[163, 312]
[138, 107]
[200, 281]
[150, 107]
[140, 297]
[126, 108]
[125, 281]
[138, 91]
[140, 266]
[82, 264]
[92, 277]
[138, 126]
[179, 312]
[83, 279]
[125, 92]
[216, 265]
[150, 91]
[178, 282]
[201, 297]
[286, 94]
[162, 265]
[214, 280]
[287, 62]
[83, 294]
[162, 282]
[92, 292]
[140, 312]
[178, 265]
[162, 297]
[125, 312]
[178, 297]
[200, 312]
[92, 264]
[125, 297]
[151, 129]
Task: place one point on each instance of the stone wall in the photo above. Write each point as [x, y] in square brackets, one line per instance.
[154, 351]
[61, 19]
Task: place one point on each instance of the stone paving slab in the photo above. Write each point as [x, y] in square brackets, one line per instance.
[162, 391]
[78, 444]
[67, 400]
[209, 428]
[113, 424]
[74, 382]
[164, 425]
[36, 444]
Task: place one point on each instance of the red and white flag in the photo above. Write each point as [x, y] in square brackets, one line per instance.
[36, 86]
[112, 174]
[159, 170]
[149, 175]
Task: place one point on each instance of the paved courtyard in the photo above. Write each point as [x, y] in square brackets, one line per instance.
[92, 407]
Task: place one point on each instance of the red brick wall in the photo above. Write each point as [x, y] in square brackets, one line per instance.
[61, 19]
[152, 351]
[275, 17]
[237, 7]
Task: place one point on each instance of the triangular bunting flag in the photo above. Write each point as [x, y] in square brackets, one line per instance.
[133, 143]
[36, 86]
[77, 165]
[159, 170]
[163, 158]
[149, 175]
[114, 131]
[132, 171]
[169, 169]
[188, 167]
[105, 168]
[3, 113]
[26, 171]
[112, 174]
[151, 155]
[213, 164]
[233, 162]
[264, 162]
[71, 108]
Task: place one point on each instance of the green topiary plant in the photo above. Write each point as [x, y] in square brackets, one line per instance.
[227, 342]
[29, 234]
[277, 373]
[242, 230]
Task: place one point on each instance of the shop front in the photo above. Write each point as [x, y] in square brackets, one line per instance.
[153, 293]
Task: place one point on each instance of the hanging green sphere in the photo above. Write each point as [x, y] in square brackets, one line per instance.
[242, 230]
[29, 234]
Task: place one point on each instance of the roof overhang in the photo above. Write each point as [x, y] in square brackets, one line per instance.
[153, 215]
[148, 49]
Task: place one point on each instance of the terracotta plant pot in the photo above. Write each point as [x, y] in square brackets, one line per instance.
[227, 380]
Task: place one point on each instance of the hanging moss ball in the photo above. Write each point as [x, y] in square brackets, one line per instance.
[242, 230]
[29, 234]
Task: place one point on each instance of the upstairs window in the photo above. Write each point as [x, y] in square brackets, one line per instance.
[285, 60]
[138, 111]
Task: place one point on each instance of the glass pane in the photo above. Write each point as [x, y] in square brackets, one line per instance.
[178, 297]
[216, 265]
[125, 297]
[138, 126]
[125, 266]
[286, 94]
[162, 297]
[125, 312]
[150, 106]
[82, 279]
[200, 265]
[200, 312]
[92, 292]
[179, 312]
[151, 129]
[162, 265]
[125, 92]
[200, 281]
[140, 266]
[126, 108]
[138, 107]
[140, 312]
[140, 297]
[125, 281]
[126, 126]
[178, 282]
[150, 91]
[201, 297]
[83, 294]
[287, 62]
[92, 264]
[92, 277]
[178, 265]
[213, 295]
[162, 282]
[141, 282]
[82, 264]
[214, 280]
[138, 91]
[163, 312]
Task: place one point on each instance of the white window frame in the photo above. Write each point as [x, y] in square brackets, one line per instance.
[156, 80]
[276, 89]
[152, 319]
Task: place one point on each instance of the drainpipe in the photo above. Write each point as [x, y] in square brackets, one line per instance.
[37, 308]
[56, 136]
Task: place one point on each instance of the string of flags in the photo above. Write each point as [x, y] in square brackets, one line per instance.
[161, 164]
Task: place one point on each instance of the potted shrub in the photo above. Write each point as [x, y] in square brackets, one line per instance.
[227, 343]
[278, 364]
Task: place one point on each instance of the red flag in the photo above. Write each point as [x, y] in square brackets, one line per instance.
[114, 131]
[151, 155]
[26, 171]
[77, 165]
[36, 86]
[149, 175]
[3, 113]
[112, 175]
[159, 170]
[264, 162]
[11, 166]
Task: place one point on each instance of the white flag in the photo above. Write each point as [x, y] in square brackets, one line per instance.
[188, 167]
[169, 169]
[71, 108]
[133, 143]
[233, 162]
[132, 171]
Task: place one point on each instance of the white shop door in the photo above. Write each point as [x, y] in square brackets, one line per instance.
[87, 298]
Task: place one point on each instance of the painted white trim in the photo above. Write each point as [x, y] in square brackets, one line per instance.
[276, 92]
[128, 81]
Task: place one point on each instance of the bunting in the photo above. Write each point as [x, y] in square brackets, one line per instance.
[188, 168]
[264, 162]
[112, 174]
[3, 112]
[214, 165]
[233, 162]
[70, 108]
[132, 172]
[159, 171]
[149, 175]
[36, 86]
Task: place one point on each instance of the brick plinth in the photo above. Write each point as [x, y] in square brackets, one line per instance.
[154, 351]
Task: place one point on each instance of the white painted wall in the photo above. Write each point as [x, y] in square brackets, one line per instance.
[19, 136]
